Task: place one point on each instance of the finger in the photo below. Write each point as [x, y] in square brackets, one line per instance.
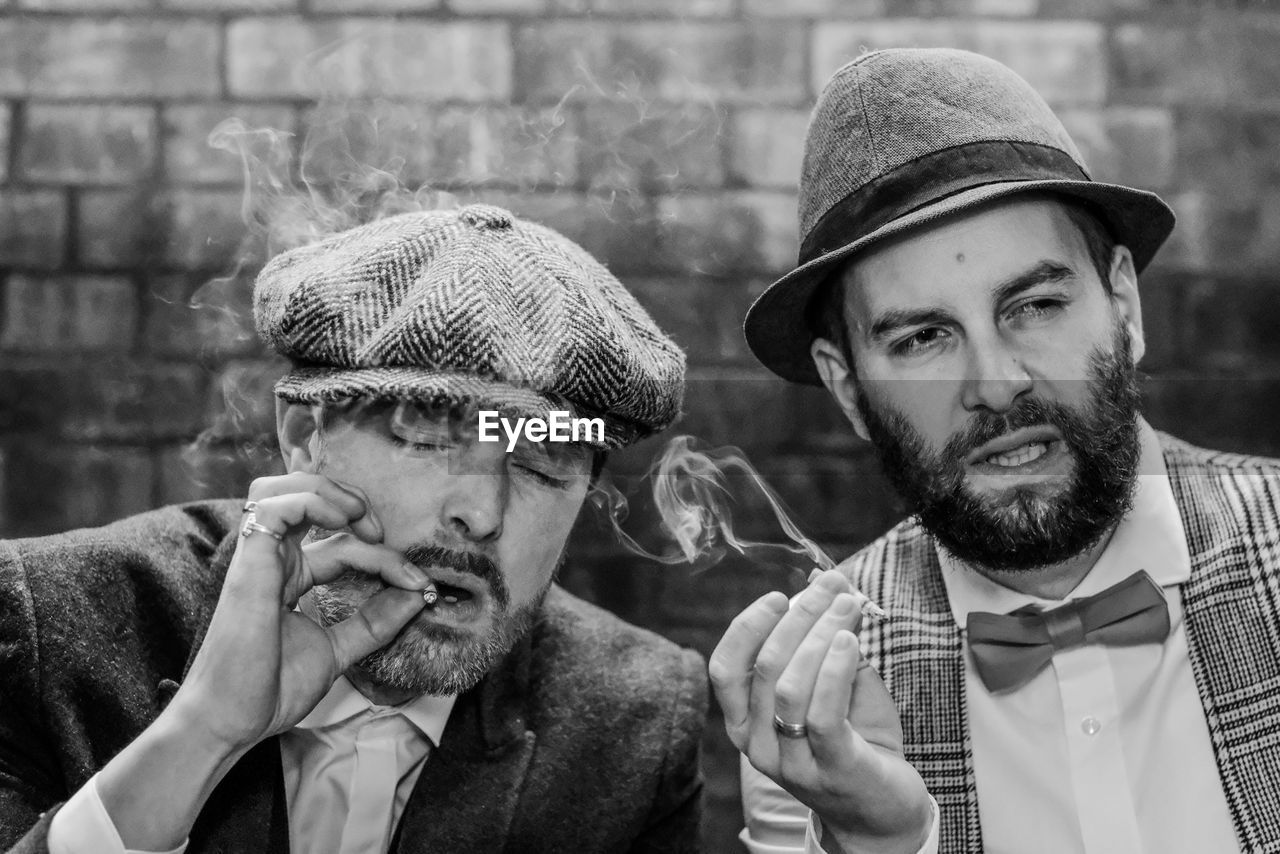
[256, 574]
[351, 499]
[830, 732]
[794, 693]
[327, 559]
[732, 662]
[781, 645]
[374, 625]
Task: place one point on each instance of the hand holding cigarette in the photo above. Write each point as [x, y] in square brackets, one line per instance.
[803, 708]
[262, 665]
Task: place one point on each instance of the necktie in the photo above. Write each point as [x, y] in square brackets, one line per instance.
[1009, 649]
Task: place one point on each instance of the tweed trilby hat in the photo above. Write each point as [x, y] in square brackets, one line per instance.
[900, 138]
[470, 306]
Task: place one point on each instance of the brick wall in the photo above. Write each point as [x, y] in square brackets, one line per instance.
[663, 135]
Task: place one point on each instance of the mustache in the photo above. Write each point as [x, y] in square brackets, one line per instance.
[983, 427]
[425, 555]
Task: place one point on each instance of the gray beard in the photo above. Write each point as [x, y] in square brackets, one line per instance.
[426, 658]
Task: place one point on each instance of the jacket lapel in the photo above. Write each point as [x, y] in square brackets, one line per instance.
[466, 797]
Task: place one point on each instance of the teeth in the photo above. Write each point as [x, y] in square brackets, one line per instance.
[1020, 456]
[451, 599]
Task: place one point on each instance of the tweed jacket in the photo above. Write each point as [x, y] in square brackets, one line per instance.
[1230, 508]
[585, 739]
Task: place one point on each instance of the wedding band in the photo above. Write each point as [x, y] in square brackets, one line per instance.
[789, 730]
[251, 525]
[250, 507]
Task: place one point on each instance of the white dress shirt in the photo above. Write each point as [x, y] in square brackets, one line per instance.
[349, 767]
[1107, 749]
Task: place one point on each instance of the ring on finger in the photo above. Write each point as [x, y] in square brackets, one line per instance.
[251, 525]
[789, 730]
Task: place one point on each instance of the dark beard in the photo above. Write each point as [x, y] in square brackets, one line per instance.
[1026, 531]
[428, 658]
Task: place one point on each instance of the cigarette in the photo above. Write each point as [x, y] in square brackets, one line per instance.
[430, 594]
[869, 608]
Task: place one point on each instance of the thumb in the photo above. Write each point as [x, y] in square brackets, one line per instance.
[374, 624]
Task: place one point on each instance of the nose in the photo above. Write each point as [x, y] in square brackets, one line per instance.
[996, 376]
[476, 499]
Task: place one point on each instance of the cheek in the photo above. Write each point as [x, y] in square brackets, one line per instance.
[932, 407]
[534, 536]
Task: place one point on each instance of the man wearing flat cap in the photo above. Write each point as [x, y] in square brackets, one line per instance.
[1081, 647]
[369, 653]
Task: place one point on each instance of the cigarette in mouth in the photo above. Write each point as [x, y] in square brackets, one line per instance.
[430, 594]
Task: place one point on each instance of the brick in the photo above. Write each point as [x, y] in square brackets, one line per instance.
[1164, 327]
[1225, 412]
[443, 146]
[966, 8]
[126, 57]
[68, 313]
[241, 399]
[679, 8]
[618, 229]
[1066, 61]
[358, 6]
[84, 5]
[129, 400]
[1128, 145]
[256, 6]
[815, 8]
[205, 228]
[767, 146]
[79, 144]
[120, 228]
[273, 57]
[78, 486]
[703, 316]
[635, 61]
[752, 231]
[657, 148]
[33, 228]
[513, 7]
[4, 142]
[1227, 152]
[189, 154]
[190, 315]
[1216, 232]
[1219, 60]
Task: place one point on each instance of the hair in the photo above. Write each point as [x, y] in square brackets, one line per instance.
[825, 313]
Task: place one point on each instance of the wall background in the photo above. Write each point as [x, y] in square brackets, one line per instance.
[664, 135]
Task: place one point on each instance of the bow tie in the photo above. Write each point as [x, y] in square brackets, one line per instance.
[1009, 649]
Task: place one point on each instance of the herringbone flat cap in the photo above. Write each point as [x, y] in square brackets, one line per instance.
[900, 138]
[473, 306]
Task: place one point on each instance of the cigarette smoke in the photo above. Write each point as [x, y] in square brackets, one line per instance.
[693, 493]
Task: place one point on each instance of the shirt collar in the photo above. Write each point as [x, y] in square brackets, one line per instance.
[344, 702]
[1150, 536]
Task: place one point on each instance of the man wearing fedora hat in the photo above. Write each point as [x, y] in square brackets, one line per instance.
[370, 654]
[1081, 647]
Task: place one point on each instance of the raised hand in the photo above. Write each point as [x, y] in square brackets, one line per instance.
[804, 708]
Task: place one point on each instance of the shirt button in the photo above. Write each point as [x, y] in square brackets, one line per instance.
[1089, 725]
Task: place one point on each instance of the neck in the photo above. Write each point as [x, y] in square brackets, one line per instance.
[1049, 582]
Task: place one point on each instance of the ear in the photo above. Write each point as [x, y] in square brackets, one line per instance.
[1125, 299]
[299, 435]
[839, 380]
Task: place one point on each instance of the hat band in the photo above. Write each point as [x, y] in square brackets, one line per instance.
[932, 178]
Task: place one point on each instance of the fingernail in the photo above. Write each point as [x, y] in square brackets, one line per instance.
[816, 572]
[418, 575]
[776, 601]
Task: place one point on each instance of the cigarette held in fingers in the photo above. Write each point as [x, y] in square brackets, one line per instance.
[430, 594]
[868, 607]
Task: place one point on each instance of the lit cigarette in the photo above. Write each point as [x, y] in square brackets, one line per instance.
[430, 594]
[869, 608]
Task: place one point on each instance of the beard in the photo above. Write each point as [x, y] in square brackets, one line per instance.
[427, 657]
[1023, 529]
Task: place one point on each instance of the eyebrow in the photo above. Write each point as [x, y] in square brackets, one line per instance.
[1042, 273]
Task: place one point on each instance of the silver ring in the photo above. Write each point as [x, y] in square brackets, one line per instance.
[250, 506]
[789, 730]
[251, 524]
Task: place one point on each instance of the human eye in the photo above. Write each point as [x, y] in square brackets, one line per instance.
[545, 467]
[1036, 308]
[421, 430]
[920, 341]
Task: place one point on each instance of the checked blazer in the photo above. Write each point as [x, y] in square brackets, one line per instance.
[1230, 507]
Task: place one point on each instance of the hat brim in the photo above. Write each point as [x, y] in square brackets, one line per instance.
[320, 384]
[777, 328]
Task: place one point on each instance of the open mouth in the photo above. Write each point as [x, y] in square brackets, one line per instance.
[1029, 450]
[448, 594]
